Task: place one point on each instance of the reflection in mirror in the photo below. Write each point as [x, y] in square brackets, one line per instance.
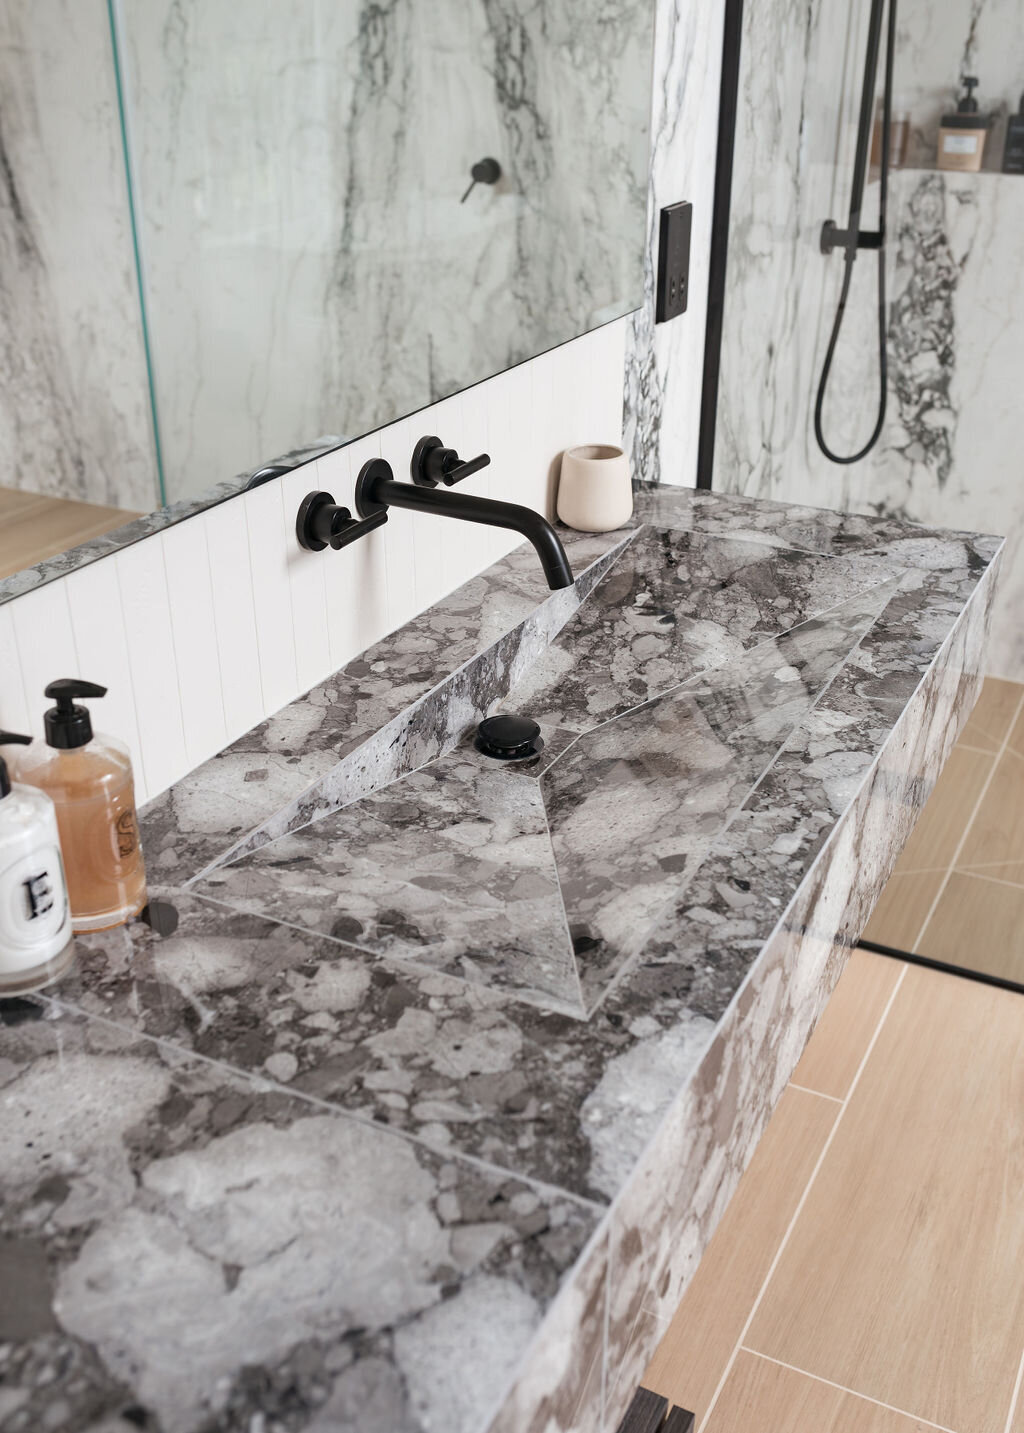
[228, 232]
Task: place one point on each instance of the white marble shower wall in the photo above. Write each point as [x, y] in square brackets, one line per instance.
[951, 451]
[204, 629]
[74, 402]
[797, 107]
[948, 453]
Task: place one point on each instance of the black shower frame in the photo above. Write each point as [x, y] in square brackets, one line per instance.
[728, 104]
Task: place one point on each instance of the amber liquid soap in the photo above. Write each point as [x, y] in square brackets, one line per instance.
[89, 780]
[103, 865]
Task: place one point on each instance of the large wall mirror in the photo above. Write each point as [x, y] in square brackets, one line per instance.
[236, 229]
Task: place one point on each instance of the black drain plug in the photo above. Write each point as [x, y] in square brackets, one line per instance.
[509, 738]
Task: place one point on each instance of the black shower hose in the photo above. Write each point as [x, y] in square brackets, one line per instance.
[849, 255]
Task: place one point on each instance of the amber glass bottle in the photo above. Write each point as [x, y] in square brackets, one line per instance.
[89, 780]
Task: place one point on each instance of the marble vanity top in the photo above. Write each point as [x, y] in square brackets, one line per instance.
[451, 1066]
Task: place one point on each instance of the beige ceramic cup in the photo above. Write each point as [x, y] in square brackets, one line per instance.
[594, 490]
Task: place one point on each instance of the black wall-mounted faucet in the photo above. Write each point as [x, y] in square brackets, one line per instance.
[432, 463]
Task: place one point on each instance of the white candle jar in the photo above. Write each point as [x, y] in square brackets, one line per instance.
[594, 490]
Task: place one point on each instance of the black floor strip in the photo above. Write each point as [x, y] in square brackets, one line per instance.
[929, 964]
[645, 1414]
[649, 1413]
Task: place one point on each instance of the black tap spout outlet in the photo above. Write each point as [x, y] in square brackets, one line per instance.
[376, 490]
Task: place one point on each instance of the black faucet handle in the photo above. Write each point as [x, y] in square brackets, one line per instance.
[466, 469]
[484, 171]
[433, 463]
[322, 523]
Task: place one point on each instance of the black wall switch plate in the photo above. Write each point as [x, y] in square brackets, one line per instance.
[673, 261]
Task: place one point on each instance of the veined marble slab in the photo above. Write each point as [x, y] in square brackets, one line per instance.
[224, 1106]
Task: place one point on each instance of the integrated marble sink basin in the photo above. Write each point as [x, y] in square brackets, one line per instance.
[665, 692]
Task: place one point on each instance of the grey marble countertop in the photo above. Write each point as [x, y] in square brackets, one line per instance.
[449, 1067]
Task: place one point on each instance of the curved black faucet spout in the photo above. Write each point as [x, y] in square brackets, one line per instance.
[376, 489]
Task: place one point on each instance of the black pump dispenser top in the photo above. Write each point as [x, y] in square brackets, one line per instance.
[66, 724]
[967, 103]
[9, 738]
[966, 115]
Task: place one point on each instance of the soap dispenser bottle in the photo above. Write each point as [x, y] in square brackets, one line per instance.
[90, 782]
[962, 135]
[35, 918]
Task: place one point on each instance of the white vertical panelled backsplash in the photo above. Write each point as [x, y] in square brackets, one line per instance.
[204, 629]
[234, 616]
[146, 615]
[44, 642]
[196, 653]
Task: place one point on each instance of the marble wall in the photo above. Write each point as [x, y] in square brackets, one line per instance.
[74, 402]
[309, 267]
[664, 362]
[955, 341]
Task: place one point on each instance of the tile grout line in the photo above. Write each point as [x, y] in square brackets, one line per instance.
[820, 1094]
[1015, 1395]
[817, 1378]
[921, 871]
[975, 873]
[943, 884]
[990, 865]
[802, 1201]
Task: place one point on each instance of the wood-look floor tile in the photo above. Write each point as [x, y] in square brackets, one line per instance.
[902, 910]
[1016, 737]
[902, 1277]
[996, 835]
[694, 1352]
[936, 835]
[844, 1032]
[978, 924]
[762, 1395]
[988, 723]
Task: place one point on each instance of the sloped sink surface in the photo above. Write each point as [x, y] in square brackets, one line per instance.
[664, 698]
